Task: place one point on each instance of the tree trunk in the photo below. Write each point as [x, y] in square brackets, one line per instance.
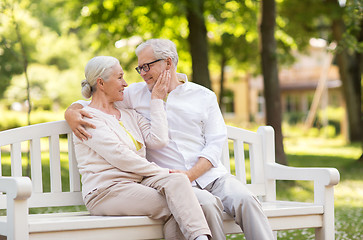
[350, 75]
[270, 76]
[360, 72]
[25, 69]
[221, 83]
[198, 42]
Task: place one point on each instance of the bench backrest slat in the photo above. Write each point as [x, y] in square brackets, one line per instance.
[36, 165]
[1, 168]
[225, 156]
[16, 163]
[54, 164]
[74, 176]
[239, 160]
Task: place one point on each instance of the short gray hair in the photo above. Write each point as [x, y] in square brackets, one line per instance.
[162, 49]
[97, 67]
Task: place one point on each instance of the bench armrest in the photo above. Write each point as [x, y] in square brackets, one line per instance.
[324, 180]
[325, 176]
[18, 190]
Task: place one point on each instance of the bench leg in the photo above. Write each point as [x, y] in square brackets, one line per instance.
[327, 231]
[275, 234]
[17, 215]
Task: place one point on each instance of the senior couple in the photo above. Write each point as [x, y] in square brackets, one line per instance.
[154, 149]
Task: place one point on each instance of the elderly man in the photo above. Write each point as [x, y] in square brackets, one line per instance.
[197, 133]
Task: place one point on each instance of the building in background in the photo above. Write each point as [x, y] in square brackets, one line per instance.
[244, 100]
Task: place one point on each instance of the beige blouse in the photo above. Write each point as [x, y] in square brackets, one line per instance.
[110, 156]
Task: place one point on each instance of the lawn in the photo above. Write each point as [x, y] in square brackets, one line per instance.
[301, 152]
[323, 152]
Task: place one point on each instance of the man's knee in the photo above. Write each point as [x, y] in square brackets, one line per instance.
[249, 200]
[210, 204]
[212, 208]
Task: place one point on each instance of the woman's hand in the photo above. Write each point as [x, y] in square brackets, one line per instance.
[187, 173]
[161, 87]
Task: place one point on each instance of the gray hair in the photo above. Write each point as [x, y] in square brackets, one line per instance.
[162, 49]
[97, 67]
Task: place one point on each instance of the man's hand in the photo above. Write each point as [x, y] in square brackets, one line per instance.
[74, 116]
[161, 87]
[202, 166]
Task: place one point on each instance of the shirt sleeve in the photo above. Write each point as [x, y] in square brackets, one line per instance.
[215, 133]
[84, 103]
[155, 132]
[107, 144]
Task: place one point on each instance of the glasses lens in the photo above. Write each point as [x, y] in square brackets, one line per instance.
[138, 70]
[146, 67]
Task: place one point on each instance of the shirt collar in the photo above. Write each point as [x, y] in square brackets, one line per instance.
[182, 77]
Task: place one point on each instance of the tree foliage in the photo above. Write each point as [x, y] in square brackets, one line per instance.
[62, 35]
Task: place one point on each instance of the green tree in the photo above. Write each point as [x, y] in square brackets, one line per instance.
[348, 60]
[342, 22]
[181, 21]
[270, 75]
[233, 38]
[56, 53]
[20, 42]
[198, 43]
[14, 48]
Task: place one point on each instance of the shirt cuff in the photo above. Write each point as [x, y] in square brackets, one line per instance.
[156, 104]
[210, 159]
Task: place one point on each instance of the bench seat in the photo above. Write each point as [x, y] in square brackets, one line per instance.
[65, 223]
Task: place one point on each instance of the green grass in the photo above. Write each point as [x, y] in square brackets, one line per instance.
[348, 194]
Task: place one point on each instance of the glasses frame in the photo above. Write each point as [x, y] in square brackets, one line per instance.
[146, 66]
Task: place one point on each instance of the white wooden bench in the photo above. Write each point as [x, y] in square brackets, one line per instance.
[22, 193]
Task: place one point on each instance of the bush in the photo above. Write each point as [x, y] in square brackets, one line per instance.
[313, 132]
[13, 119]
[294, 117]
[328, 131]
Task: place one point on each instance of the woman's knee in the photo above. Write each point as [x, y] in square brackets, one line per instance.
[178, 179]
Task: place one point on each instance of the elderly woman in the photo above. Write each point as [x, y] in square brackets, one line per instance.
[117, 178]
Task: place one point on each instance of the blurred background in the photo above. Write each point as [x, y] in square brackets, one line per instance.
[295, 65]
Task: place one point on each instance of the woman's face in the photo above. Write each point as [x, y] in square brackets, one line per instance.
[114, 87]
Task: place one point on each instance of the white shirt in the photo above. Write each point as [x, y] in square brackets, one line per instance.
[196, 127]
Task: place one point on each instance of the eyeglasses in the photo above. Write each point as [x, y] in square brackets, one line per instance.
[146, 66]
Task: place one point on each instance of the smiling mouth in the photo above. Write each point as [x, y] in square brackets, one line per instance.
[147, 80]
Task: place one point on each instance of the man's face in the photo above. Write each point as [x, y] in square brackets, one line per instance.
[150, 77]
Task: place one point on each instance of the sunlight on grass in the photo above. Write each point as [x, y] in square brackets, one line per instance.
[321, 146]
[323, 152]
[349, 193]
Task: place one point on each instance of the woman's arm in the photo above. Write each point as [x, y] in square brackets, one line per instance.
[155, 132]
[106, 143]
